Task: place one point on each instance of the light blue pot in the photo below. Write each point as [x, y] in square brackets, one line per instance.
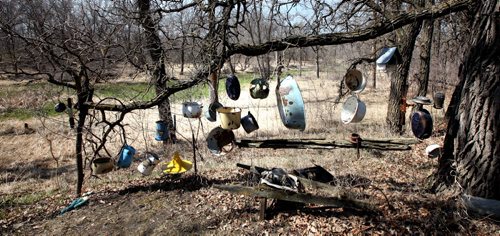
[290, 104]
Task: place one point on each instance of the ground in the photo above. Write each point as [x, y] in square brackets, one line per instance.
[38, 179]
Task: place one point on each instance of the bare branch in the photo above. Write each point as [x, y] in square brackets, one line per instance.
[360, 35]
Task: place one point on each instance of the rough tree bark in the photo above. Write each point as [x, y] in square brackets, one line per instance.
[157, 53]
[425, 53]
[396, 109]
[471, 155]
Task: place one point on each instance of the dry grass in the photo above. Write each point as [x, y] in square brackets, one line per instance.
[30, 165]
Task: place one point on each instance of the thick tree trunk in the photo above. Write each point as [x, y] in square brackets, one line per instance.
[471, 155]
[399, 80]
[425, 54]
[156, 52]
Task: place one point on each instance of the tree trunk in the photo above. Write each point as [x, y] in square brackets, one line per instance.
[85, 94]
[425, 54]
[471, 154]
[156, 52]
[82, 115]
[399, 80]
[183, 56]
[374, 65]
[317, 61]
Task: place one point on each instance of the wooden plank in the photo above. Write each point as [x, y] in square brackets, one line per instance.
[262, 210]
[380, 144]
[309, 184]
[267, 192]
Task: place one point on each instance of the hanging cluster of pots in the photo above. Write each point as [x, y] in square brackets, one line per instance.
[353, 109]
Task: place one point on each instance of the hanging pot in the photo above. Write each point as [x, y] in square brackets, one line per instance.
[439, 100]
[211, 112]
[161, 131]
[233, 87]
[147, 166]
[102, 165]
[126, 156]
[355, 81]
[249, 123]
[353, 110]
[191, 109]
[259, 88]
[218, 139]
[290, 104]
[433, 150]
[421, 124]
[60, 107]
[229, 117]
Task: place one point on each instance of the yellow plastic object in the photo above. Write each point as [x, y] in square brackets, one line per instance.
[177, 165]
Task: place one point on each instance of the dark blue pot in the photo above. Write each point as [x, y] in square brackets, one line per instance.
[421, 124]
[233, 88]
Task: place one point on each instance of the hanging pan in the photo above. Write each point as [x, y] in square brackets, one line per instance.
[220, 141]
[233, 87]
[355, 81]
[421, 124]
[211, 112]
[259, 88]
[353, 110]
[290, 104]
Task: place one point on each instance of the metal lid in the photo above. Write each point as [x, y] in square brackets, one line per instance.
[422, 100]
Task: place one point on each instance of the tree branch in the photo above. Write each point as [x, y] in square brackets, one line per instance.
[355, 36]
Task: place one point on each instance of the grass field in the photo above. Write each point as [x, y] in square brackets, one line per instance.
[38, 177]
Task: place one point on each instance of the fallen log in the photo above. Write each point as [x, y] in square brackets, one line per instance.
[482, 206]
[268, 192]
[380, 144]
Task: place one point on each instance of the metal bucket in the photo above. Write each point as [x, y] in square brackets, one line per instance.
[161, 131]
[147, 166]
[259, 89]
[249, 123]
[355, 81]
[438, 100]
[353, 110]
[102, 165]
[126, 156]
[218, 139]
[229, 117]
[290, 104]
[191, 109]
